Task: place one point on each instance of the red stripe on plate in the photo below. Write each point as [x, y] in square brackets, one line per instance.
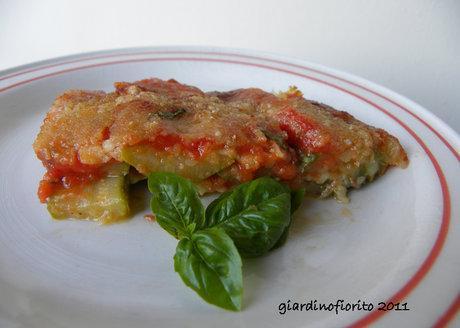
[443, 230]
[448, 145]
[449, 314]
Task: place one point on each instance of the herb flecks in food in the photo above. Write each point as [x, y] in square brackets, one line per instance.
[171, 114]
[278, 138]
[306, 161]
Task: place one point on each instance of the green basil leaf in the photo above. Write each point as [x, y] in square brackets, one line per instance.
[254, 215]
[209, 263]
[297, 197]
[282, 239]
[175, 203]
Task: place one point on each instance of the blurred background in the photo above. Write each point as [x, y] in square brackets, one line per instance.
[411, 46]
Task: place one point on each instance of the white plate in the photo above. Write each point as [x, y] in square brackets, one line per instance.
[400, 243]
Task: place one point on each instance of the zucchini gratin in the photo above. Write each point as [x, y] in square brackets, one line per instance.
[94, 144]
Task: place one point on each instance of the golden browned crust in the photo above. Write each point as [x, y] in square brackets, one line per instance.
[249, 132]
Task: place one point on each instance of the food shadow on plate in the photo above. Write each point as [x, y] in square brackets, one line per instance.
[139, 198]
[257, 271]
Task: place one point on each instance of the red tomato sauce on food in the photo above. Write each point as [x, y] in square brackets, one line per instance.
[303, 132]
[198, 147]
[262, 158]
[60, 177]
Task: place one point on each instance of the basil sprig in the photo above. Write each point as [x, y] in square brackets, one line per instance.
[250, 220]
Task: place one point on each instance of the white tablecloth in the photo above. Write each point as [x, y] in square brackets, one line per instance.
[412, 47]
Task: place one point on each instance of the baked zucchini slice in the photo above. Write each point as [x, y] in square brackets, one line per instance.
[104, 200]
[146, 160]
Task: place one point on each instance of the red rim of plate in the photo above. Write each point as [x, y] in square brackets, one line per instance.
[34, 69]
[443, 230]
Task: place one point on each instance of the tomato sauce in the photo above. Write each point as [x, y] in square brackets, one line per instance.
[106, 133]
[198, 147]
[60, 177]
[257, 159]
[303, 132]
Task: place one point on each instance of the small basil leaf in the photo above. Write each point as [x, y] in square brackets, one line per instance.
[254, 215]
[297, 197]
[306, 161]
[170, 115]
[175, 203]
[278, 138]
[209, 263]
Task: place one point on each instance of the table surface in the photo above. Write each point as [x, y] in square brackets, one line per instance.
[409, 46]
